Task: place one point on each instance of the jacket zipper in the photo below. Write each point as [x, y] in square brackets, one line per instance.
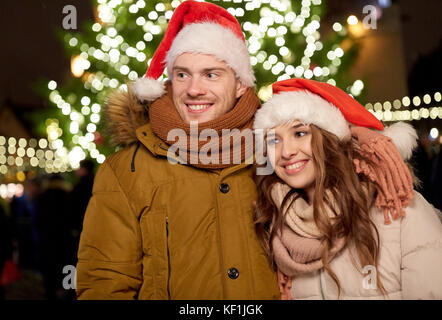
[168, 255]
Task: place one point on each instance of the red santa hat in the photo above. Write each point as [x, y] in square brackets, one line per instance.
[330, 109]
[197, 27]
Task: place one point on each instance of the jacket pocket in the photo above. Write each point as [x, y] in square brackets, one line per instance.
[154, 230]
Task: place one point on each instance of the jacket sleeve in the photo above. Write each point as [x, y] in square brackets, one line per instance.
[110, 253]
[421, 246]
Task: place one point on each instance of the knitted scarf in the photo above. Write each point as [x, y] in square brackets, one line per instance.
[298, 246]
[212, 154]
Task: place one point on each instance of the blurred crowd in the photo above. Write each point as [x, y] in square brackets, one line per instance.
[40, 232]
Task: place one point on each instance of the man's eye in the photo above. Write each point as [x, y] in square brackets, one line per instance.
[212, 75]
[181, 75]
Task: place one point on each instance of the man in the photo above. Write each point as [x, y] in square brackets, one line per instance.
[166, 226]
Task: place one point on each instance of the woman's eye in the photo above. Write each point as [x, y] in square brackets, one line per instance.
[300, 134]
[272, 141]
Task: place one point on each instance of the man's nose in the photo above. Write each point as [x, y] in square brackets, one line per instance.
[195, 87]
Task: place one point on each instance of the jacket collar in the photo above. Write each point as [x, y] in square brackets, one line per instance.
[148, 138]
[157, 147]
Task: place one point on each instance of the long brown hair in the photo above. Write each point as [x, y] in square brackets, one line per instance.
[353, 196]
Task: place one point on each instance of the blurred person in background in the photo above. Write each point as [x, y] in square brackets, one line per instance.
[436, 181]
[79, 199]
[421, 161]
[5, 242]
[55, 242]
[24, 228]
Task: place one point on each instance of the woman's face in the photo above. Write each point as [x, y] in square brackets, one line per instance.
[290, 153]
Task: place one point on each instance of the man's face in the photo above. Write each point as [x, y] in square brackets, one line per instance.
[204, 88]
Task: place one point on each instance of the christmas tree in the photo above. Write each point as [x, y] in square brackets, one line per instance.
[283, 39]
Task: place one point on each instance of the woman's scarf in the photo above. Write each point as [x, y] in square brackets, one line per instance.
[299, 246]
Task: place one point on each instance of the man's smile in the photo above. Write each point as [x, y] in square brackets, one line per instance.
[198, 107]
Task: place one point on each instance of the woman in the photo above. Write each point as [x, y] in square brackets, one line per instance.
[338, 217]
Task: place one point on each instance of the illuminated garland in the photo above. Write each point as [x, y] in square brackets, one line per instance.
[26, 154]
[384, 112]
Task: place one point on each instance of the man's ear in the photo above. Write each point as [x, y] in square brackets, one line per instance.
[240, 88]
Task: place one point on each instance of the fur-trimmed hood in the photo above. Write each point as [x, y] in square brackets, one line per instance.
[125, 114]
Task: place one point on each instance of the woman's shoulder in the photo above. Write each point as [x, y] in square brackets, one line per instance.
[421, 225]
[421, 210]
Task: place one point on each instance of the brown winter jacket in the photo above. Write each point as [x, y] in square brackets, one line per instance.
[154, 230]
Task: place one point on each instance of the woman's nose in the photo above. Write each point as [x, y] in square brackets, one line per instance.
[289, 150]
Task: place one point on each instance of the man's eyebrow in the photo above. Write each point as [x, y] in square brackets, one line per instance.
[214, 69]
[180, 68]
[205, 70]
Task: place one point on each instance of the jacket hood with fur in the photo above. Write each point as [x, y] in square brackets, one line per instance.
[125, 114]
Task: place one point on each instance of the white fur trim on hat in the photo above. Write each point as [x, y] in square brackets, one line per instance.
[304, 106]
[213, 39]
[404, 137]
[148, 89]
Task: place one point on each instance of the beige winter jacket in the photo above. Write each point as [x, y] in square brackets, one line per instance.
[410, 263]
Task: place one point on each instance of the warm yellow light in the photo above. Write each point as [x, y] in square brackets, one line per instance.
[78, 66]
[357, 29]
[352, 20]
[265, 93]
[21, 176]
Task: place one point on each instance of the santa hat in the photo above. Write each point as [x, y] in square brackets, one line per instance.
[197, 27]
[330, 109]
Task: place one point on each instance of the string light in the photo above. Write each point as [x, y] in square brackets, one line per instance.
[411, 110]
[19, 155]
[352, 20]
